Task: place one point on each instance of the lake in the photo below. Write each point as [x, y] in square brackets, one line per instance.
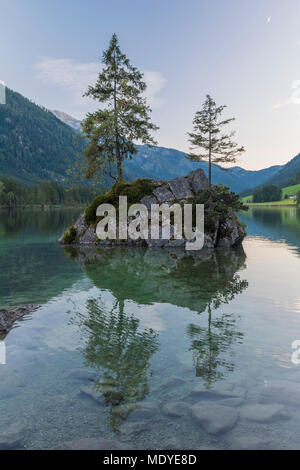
[154, 349]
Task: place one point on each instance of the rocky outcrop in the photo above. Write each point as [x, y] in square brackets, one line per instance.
[10, 316]
[225, 233]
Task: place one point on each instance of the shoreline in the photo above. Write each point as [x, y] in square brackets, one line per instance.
[270, 204]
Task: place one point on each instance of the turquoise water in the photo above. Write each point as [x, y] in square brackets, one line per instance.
[122, 333]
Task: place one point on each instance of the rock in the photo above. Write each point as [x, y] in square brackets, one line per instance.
[163, 194]
[214, 419]
[124, 410]
[176, 409]
[248, 443]
[80, 225]
[223, 391]
[148, 201]
[197, 180]
[91, 393]
[82, 374]
[156, 243]
[98, 443]
[89, 236]
[264, 413]
[280, 391]
[207, 448]
[146, 409]
[134, 428]
[208, 242]
[176, 243]
[173, 444]
[10, 316]
[233, 402]
[180, 187]
[231, 232]
[179, 190]
[173, 381]
[13, 437]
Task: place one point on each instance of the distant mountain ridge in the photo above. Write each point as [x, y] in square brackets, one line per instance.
[67, 119]
[166, 163]
[37, 144]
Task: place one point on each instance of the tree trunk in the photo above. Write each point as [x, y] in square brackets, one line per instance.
[209, 169]
[119, 162]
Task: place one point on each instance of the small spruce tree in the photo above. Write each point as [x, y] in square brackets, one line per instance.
[207, 138]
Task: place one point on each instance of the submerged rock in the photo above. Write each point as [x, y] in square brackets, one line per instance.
[214, 419]
[9, 316]
[281, 391]
[98, 443]
[82, 375]
[222, 392]
[146, 409]
[13, 437]
[248, 443]
[264, 413]
[173, 381]
[89, 392]
[176, 409]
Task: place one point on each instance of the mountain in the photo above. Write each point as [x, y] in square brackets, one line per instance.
[38, 144]
[284, 175]
[67, 119]
[165, 163]
[34, 144]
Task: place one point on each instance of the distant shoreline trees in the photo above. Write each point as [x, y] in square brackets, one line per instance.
[269, 193]
[207, 139]
[13, 194]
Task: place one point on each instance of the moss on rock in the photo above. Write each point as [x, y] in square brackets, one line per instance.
[69, 235]
[134, 191]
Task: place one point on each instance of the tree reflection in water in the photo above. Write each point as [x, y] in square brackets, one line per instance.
[121, 351]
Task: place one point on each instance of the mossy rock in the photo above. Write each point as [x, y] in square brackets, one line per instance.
[70, 235]
[134, 191]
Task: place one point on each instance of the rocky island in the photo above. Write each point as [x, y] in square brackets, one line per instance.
[221, 224]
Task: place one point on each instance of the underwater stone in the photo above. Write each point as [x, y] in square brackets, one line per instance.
[93, 444]
[176, 409]
[13, 436]
[214, 419]
[264, 413]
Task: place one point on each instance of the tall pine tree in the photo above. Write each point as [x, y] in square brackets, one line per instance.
[207, 138]
[126, 117]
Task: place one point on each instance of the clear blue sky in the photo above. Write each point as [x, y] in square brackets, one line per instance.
[245, 53]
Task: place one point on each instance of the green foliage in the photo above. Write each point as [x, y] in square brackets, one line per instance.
[268, 193]
[134, 191]
[219, 203]
[34, 144]
[13, 194]
[298, 198]
[207, 138]
[70, 235]
[110, 131]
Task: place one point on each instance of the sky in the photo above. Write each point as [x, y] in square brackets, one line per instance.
[245, 54]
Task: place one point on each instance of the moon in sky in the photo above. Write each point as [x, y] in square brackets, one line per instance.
[268, 19]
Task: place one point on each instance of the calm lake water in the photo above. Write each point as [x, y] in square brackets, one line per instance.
[152, 348]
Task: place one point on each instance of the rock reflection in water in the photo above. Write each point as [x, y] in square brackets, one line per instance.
[120, 350]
